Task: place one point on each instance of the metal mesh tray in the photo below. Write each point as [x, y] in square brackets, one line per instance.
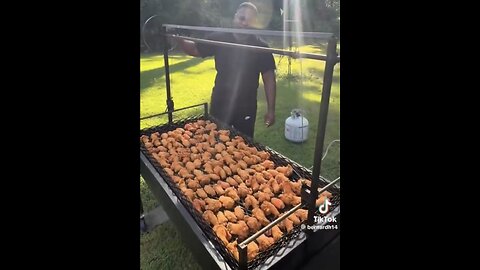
[277, 158]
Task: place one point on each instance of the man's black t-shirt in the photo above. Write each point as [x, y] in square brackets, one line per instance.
[235, 92]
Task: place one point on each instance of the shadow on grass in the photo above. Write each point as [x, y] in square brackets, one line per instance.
[149, 76]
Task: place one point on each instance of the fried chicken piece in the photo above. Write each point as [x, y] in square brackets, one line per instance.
[273, 173]
[326, 194]
[224, 185]
[267, 175]
[252, 250]
[197, 173]
[274, 185]
[227, 202]
[211, 126]
[262, 196]
[260, 216]
[290, 199]
[295, 219]
[155, 135]
[234, 167]
[237, 155]
[222, 173]
[208, 168]
[242, 164]
[278, 203]
[144, 138]
[238, 179]
[222, 233]
[286, 224]
[240, 229]
[268, 164]
[216, 169]
[169, 171]
[286, 170]
[198, 163]
[210, 217]
[198, 205]
[280, 178]
[184, 173]
[222, 219]
[176, 166]
[148, 145]
[232, 247]
[250, 161]
[232, 193]
[251, 201]
[230, 216]
[213, 205]
[218, 189]
[177, 179]
[227, 170]
[296, 187]
[190, 194]
[257, 159]
[253, 224]
[201, 193]
[194, 150]
[252, 183]
[214, 177]
[306, 182]
[239, 213]
[264, 242]
[302, 214]
[231, 181]
[243, 190]
[193, 184]
[269, 209]
[224, 138]
[219, 147]
[276, 233]
[259, 178]
[243, 174]
[186, 143]
[190, 166]
[286, 187]
[229, 161]
[209, 190]
[204, 179]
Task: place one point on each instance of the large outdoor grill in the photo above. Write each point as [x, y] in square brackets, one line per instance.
[209, 250]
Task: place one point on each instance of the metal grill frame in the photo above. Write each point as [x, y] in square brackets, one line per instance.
[203, 231]
[331, 59]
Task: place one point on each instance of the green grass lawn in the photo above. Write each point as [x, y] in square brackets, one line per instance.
[191, 83]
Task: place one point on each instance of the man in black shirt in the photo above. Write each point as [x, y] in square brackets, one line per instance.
[234, 96]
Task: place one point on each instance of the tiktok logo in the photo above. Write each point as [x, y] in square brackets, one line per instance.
[323, 208]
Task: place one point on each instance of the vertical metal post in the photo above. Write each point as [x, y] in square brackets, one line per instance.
[205, 107]
[242, 257]
[170, 105]
[322, 123]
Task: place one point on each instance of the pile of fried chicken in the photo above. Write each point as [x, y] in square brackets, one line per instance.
[235, 187]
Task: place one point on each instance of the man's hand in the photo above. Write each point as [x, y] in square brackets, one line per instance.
[269, 119]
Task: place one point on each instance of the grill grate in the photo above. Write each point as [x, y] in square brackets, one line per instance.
[277, 158]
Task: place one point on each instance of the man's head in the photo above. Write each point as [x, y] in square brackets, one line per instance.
[246, 15]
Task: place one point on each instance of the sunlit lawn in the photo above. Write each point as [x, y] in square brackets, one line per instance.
[191, 83]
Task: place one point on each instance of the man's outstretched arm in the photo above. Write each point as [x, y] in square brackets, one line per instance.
[189, 47]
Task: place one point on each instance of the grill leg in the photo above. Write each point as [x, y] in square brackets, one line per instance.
[143, 225]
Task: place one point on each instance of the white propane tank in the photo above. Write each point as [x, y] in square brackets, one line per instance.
[296, 126]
